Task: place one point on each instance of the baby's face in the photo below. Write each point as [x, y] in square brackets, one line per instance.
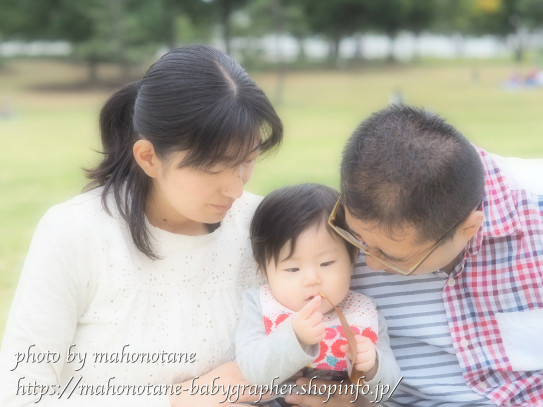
[320, 263]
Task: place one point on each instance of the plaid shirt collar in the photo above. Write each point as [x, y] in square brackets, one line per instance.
[501, 218]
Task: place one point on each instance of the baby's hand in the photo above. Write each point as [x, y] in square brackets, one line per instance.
[307, 323]
[366, 356]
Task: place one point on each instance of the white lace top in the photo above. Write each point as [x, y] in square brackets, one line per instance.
[85, 288]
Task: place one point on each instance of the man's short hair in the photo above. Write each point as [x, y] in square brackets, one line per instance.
[406, 167]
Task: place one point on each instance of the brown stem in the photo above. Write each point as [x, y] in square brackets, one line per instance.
[355, 375]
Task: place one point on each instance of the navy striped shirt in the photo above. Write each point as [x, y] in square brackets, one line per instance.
[419, 336]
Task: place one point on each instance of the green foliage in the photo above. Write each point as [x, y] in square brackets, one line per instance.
[532, 12]
[123, 30]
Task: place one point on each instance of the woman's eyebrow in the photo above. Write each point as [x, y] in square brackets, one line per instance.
[234, 160]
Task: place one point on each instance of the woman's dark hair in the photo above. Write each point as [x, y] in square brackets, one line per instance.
[287, 212]
[407, 167]
[194, 99]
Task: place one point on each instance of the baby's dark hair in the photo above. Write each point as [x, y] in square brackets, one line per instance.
[285, 213]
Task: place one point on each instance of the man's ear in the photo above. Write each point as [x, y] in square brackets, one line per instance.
[145, 156]
[472, 224]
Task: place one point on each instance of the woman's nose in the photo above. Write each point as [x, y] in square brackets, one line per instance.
[233, 187]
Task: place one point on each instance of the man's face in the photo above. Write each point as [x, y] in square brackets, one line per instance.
[402, 248]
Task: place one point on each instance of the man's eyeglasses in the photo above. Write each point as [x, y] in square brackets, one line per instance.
[364, 248]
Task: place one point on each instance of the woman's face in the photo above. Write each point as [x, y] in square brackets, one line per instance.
[183, 200]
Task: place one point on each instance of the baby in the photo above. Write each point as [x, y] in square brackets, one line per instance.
[286, 325]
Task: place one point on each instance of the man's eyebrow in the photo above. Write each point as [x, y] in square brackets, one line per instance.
[393, 258]
[389, 257]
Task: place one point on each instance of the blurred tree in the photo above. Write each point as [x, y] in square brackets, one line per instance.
[532, 12]
[296, 24]
[279, 17]
[505, 18]
[336, 20]
[420, 16]
[224, 10]
[389, 17]
[120, 31]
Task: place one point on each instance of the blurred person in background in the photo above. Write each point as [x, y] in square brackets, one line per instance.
[138, 281]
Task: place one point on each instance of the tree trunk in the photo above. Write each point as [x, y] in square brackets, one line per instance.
[92, 66]
[225, 11]
[520, 37]
[459, 44]
[359, 48]
[279, 22]
[333, 50]
[391, 58]
[416, 48]
[116, 17]
[302, 55]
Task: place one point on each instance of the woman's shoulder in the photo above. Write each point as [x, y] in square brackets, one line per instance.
[243, 209]
[248, 201]
[83, 209]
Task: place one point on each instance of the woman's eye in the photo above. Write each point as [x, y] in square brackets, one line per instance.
[327, 263]
[250, 161]
[216, 169]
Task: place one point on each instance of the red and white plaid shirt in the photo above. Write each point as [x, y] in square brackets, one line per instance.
[501, 273]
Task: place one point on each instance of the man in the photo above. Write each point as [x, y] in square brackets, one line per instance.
[461, 246]
[459, 235]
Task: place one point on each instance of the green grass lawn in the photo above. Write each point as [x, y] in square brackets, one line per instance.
[53, 132]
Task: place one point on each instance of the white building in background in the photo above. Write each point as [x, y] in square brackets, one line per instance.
[286, 48]
[405, 46]
[35, 48]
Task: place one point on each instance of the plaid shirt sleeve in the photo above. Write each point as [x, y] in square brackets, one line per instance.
[500, 279]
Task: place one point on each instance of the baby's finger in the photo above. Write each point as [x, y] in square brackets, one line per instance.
[315, 319]
[310, 307]
[362, 339]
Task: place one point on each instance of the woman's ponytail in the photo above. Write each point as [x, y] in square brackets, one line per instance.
[117, 132]
[118, 169]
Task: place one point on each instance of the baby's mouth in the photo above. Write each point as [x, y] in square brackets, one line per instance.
[313, 296]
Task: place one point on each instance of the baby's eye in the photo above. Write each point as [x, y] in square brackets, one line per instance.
[292, 269]
[327, 263]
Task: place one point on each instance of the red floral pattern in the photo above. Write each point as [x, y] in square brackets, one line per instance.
[268, 324]
[358, 310]
[281, 318]
[369, 333]
[336, 351]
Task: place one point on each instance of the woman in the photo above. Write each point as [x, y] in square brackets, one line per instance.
[137, 282]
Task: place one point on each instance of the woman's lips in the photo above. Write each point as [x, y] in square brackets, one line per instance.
[223, 208]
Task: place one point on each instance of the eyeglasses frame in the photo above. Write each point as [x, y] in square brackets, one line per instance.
[360, 245]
